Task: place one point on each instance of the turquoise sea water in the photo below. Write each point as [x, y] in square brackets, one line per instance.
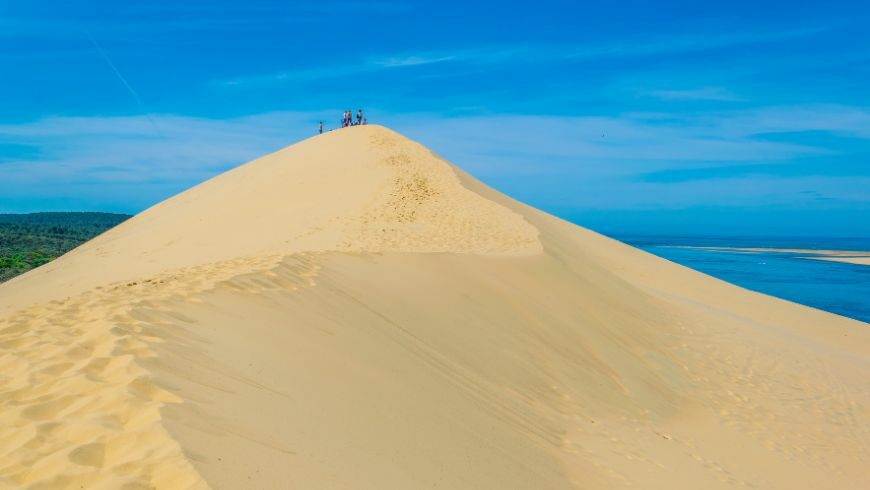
[840, 288]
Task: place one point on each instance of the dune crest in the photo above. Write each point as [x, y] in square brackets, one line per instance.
[354, 312]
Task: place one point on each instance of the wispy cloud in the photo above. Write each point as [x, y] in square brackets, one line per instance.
[119, 162]
[530, 54]
[310, 74]
[705, 93]
[628, 144]
[411, 60]
[838, 119]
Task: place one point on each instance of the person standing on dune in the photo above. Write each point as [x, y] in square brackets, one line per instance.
[359, 117]
[321, 127]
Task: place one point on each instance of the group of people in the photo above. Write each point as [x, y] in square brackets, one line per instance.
[348, 120]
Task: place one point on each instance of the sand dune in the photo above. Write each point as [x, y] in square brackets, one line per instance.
[354, 312]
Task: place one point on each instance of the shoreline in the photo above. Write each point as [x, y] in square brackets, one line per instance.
[844, 256]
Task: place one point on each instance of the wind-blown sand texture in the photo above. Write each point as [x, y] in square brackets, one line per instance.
[354, 312]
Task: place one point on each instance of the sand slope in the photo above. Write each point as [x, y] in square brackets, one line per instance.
[354, 312]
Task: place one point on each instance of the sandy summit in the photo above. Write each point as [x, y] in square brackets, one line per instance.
[354, 312]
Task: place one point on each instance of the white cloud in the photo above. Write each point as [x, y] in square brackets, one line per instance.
[705, 93]
[838, 119]
[412, 60]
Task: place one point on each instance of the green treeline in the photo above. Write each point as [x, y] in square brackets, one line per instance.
[30, 240]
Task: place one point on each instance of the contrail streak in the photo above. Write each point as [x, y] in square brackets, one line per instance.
[124, 81]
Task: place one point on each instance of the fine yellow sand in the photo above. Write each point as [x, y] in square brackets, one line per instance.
[352, 312]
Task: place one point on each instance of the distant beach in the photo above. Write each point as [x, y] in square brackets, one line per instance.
[831, 274]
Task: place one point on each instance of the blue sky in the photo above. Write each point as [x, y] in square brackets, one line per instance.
[635, 117]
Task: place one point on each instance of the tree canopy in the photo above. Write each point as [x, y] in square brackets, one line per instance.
[28, 241]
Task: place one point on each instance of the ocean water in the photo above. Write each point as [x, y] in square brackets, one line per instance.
[839, 288]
